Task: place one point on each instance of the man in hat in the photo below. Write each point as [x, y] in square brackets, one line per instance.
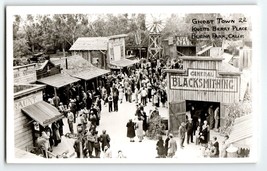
[189, 130]
[104, 139]
[73, 109]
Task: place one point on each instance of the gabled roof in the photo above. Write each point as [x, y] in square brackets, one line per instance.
[90, 43]
[80, 68]
[94, 43]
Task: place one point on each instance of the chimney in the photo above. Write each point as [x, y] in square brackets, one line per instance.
[66, 63]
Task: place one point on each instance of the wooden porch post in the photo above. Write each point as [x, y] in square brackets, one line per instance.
[85, 85]
[55, 91]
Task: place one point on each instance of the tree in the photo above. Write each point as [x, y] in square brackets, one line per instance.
[20, 44]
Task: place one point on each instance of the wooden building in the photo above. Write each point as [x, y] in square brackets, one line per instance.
[102, 52]
[93, 49]
[203, 82]
[176, 46]
[30, 114]
[57, 83]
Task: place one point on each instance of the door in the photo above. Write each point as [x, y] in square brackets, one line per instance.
[177, 115]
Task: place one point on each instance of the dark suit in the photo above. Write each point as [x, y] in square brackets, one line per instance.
[189, 130]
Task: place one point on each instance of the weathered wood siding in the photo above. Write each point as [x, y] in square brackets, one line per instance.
[24, 74]
[91, 57]
[22, 133]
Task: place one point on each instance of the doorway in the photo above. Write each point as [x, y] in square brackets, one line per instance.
[203, 110]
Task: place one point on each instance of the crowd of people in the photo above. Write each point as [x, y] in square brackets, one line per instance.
[146, 83]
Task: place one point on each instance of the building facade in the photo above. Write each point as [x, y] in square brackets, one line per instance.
[203, 82]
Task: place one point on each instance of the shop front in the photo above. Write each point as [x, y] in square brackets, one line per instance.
[204, 84]
[31, 114]
[77, 67]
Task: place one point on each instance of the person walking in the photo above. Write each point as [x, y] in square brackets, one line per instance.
[131, 130]
[139, 129]
[160, 147]
[110, 101]
[166, 144]
[143, 96]
[104, 139]
[182, 131]
[172, 146]
[129, 94]
[70, 117]
[115, 98]
[56, 135]
[121, 92]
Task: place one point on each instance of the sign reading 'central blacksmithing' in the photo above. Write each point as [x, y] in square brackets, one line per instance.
[200, 79]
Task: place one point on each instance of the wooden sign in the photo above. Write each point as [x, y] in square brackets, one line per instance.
[24, 74]
[200, 79]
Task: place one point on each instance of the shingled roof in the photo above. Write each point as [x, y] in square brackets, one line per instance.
[90, 43]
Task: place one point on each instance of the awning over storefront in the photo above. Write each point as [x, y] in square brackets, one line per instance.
[90, 73]
[58, 80]
[43, 113]
[123, 63]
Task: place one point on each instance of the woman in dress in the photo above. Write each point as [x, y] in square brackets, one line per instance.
[160, 148]
[204, 133]
[131, 130]
[121, 93]
[139, 129]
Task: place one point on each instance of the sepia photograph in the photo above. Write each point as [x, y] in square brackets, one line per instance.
[125, 84]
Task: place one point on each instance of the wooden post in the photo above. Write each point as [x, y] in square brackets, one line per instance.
[97, 82]
[55, 91]
[89, 55]
[81, 146]
[85, 86]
